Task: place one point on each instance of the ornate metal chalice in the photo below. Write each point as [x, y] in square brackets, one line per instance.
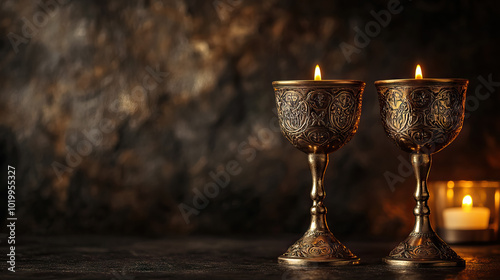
[422, 116]
[318, 118]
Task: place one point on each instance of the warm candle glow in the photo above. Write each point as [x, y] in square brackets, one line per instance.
[418, 72]
[467, 203]
[466, 217]
[317, 74]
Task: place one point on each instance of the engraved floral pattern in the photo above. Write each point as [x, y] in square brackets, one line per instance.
[319, 120]
[343, 110]
[319, 244]
[427, 249]
[292, 106]
[422, 119]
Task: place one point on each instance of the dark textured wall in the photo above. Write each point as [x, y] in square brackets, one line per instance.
[118, 114]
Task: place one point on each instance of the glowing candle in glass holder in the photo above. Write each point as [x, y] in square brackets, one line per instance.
[466, 217]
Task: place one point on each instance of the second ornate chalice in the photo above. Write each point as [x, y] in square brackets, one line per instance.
[318, 117]
[422, 116]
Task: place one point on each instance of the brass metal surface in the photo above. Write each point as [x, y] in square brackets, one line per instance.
[319, 83]
[318, 117]
[422, 82]
[422, 117]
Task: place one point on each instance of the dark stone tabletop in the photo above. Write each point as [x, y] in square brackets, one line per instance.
[131, 258]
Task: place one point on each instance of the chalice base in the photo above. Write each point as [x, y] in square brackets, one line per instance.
[318, 248]
[424, 250]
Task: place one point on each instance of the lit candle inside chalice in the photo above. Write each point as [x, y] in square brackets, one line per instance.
[318, 117]
[422, 116]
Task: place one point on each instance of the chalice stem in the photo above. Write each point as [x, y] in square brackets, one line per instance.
[423, 247]
[318, 164]
[421, 163]
[318, 245]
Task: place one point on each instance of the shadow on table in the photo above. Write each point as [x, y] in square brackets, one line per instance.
[372, 271]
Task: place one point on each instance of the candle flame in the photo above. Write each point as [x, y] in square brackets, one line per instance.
[467, 203]
[317, 74]
[418, 72]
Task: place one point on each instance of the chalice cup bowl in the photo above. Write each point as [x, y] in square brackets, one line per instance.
[422, 116]
[318, 117]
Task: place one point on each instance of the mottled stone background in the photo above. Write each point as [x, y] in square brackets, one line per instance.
[102, 145]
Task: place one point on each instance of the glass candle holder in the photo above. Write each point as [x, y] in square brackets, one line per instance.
[466, 211]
